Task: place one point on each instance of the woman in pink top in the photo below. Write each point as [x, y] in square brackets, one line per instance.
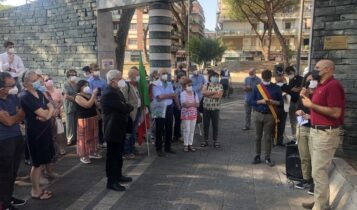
[189, 103]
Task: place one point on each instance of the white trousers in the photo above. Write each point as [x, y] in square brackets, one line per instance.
[188, 131]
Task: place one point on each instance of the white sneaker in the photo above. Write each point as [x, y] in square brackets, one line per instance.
[85, 160]
[95, 156]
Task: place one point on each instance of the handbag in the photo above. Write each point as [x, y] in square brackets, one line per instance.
[200, 108]
[59, 124]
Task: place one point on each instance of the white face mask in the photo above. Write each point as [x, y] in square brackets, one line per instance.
[164, 77]
[13, 91]
[266, 83]
[11, 50]
[313, 84]
[121, 83]
[280, 84]
[291, 76]
[189, 88]
[73, 78]
[137, 78]
[96, 73]
[87, 90]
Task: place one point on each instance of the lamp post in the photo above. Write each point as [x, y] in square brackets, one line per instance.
[188, 35]
[298, 56]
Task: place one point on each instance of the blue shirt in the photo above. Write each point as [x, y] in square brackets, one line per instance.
[250, 82]
[9, 105]
[160, 88]
[197, 82]
[275, 93]
[97, 82]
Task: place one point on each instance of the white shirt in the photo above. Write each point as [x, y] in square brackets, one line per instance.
[17, 64]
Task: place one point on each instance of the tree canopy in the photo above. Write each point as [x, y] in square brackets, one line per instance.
[203, 50]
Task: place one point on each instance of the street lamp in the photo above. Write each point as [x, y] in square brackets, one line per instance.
[298, 56]
[188, 35]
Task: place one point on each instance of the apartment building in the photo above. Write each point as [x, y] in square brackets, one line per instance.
[243, 43]
[135, 41]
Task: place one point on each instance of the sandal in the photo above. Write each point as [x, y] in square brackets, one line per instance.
[216, 145]
[45, 195]
[204, 144]
[185, 148]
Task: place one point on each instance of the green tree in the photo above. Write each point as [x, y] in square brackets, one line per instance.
[203, 50]
[263, 11]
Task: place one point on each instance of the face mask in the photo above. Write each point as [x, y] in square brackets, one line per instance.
[36, 85]
[87, 90]
[189, 88]
[313, 84]
[87, 75]
[49, 83]
[121, 83]
[11, 50]
[291, 76]
[96, 73]
[13, 91]
[315, 75]
[164, 77]
[195, 72]
[266, 83]
[280, 84]
[214, 79]
[73, 78]
[137, 78]
[42, 89]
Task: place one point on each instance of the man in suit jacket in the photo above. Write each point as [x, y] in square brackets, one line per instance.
[115, 117]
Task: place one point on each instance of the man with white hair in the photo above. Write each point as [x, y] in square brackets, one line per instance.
[115, 118]
[249, 83]
[163, 92]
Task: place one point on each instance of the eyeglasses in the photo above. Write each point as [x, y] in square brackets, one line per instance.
[46, 80]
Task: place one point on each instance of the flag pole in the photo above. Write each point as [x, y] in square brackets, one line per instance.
[147, 134]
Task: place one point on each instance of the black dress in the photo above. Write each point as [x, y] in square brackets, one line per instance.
[38, 133]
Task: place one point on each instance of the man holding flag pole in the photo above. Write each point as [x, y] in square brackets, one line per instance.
[144, 118]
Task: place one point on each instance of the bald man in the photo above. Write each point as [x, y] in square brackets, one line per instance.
[249, 83]
[327, 109]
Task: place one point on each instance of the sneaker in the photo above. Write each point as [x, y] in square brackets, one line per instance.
[185, 148]
[245, 129]
[311, 190]
[85, 160]
[257, 160]
[301, 185]
[131, 156]
[95, 156]
[191, 148]
[269, 162]
[104, 145]
[17, 202]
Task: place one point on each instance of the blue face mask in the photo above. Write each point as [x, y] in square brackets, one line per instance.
[42, 89]
[36, 85]
[214, 79]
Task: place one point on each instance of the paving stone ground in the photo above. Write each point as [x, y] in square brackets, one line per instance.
[207, 179]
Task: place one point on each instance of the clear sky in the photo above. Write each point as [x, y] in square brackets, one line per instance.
[210, 9]
[15, 2]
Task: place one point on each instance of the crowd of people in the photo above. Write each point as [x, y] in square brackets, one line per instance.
[105, 112]
[315, 105]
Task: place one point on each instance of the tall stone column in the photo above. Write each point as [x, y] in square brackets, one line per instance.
[160, 35]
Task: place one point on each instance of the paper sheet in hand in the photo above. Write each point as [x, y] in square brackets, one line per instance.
[301, 120]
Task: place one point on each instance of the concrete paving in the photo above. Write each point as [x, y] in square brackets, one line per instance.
[207, 179]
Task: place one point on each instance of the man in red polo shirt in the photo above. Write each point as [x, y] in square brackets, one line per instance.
[327, 111]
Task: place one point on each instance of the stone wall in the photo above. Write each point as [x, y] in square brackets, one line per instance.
[52, 35]
[339, 18]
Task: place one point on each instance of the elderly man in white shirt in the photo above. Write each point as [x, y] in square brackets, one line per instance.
[9, 62]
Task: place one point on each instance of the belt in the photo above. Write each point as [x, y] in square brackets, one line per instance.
[324, 127]
[263, 112]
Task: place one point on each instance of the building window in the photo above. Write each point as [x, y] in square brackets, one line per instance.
[132, 42]
[116, 26]
[133, 26]
[287, 25]
[135, 56]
